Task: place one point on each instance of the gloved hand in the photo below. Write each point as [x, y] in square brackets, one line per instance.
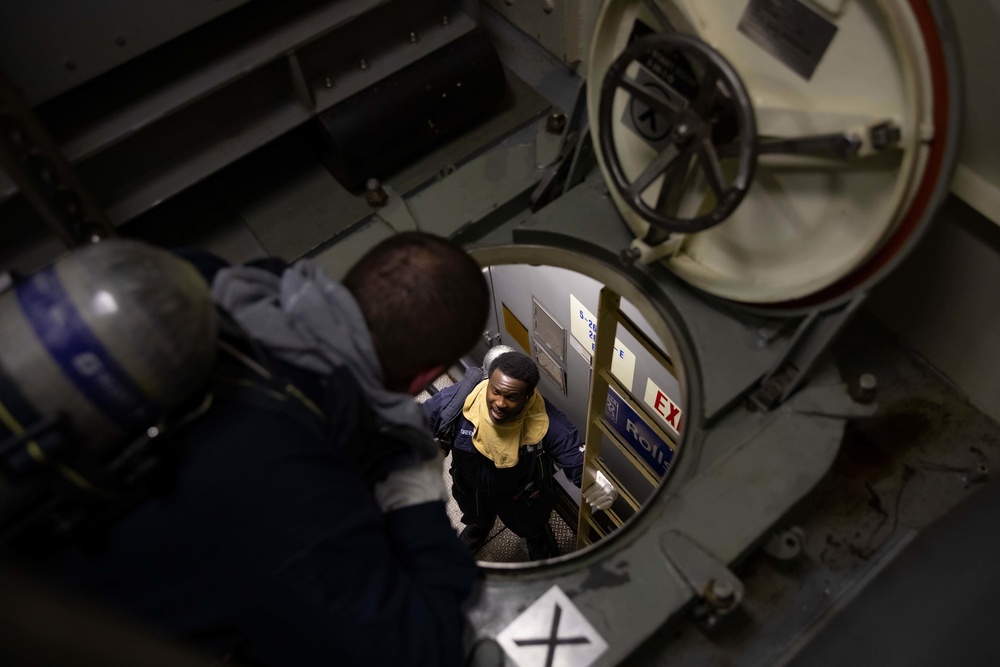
[601, 494]
[421, 483]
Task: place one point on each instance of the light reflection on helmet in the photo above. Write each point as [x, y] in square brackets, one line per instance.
[491, 356]
[112, 335]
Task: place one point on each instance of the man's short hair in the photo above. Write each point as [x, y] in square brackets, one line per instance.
[425, 301]
[518, 366]
[491, 356]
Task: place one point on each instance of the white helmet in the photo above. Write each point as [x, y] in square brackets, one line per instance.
[491, 356]
[113, 334]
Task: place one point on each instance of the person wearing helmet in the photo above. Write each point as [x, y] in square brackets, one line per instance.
[505, 448]
[305, 522]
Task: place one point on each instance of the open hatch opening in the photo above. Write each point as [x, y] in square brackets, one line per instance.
[608, 360]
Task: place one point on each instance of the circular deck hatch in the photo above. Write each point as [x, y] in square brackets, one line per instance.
[780, 152]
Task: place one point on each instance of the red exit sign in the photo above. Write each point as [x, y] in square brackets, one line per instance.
[662, 405]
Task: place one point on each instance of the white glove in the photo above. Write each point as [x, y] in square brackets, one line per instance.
[601, 494]
[423, 483]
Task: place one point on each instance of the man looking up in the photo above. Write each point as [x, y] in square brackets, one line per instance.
[504, 448]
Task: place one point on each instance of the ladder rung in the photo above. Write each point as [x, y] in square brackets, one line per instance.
[627, 452]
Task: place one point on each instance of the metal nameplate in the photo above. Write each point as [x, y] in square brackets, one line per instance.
[789, 31]
[667, 75]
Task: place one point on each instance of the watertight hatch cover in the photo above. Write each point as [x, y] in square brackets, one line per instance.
[773, 151]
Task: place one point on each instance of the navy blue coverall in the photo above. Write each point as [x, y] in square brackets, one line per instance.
[267, 540]
[523, 495]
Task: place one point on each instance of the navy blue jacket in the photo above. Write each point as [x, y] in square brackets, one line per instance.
[268, 537]
[562, 444]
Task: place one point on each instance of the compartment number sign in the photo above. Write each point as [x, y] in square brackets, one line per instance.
[584, 329]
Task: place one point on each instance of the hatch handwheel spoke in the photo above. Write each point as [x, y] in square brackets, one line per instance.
[718, 113]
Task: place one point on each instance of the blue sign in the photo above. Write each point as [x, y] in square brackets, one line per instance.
[636, 434]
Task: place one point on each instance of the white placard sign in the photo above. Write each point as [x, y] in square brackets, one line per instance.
[583, 326]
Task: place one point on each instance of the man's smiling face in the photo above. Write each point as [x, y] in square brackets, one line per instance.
[505, 396]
